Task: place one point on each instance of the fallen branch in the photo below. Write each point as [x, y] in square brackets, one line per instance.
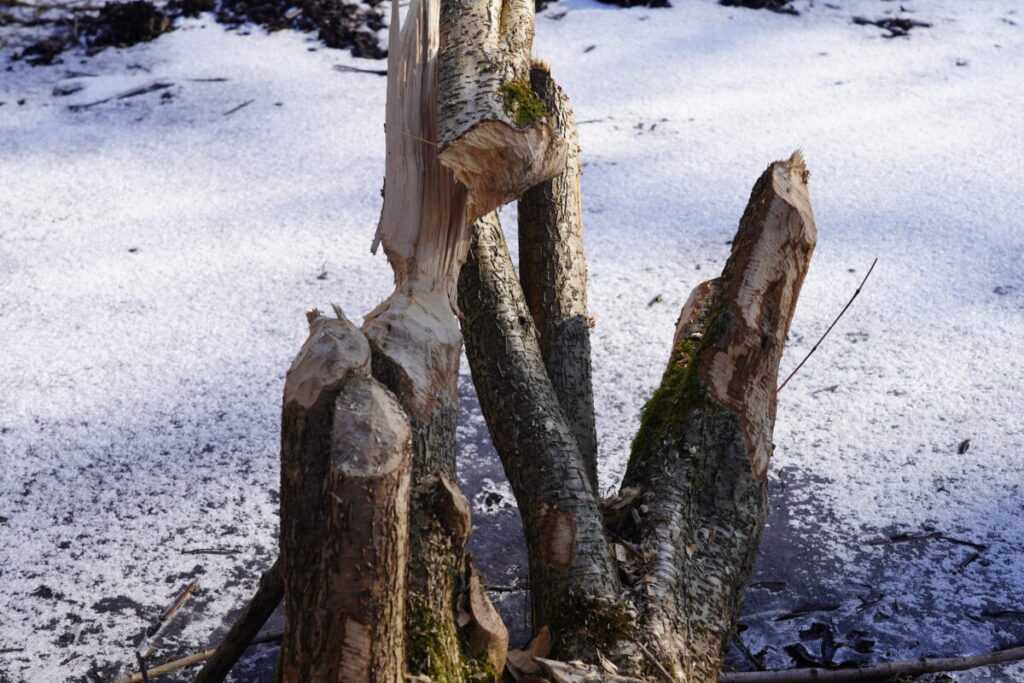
[198, 658]
[877, 672]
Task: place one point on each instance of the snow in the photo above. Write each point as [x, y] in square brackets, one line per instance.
[157, 254]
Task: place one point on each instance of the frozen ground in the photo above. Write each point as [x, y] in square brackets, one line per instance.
[157, 254]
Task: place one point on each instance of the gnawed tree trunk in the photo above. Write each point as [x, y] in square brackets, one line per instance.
[415, 336]
[443, 108]
[492, 132]
[696, 478]
[346, 462]
[699, 460]
[574, 585]
[553, 272]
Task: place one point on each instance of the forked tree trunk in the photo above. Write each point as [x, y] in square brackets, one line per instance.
[373, 529]
[696, 477]
[346, 461]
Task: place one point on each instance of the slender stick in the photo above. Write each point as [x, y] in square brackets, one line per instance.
[199, 657]
[815, 347]
[875, 672]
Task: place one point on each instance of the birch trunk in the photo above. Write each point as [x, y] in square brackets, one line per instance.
[346, 460]
[414, 334]
[492, 133]
[574, 585]
[700, 459]
[553, 272]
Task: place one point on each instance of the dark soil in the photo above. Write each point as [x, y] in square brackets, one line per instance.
[338, 23]
[779, 6]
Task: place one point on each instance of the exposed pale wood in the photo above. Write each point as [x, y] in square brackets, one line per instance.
[169, 667]
[486, 633]
[346, 460]
[268, 596]
[700, 458]
[485, 47]
[414, 334]
[575, 587]
[553, 272]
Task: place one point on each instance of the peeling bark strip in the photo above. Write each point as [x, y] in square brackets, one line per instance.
[414, 335]
[346, 461]
[575, 587]
[492, 132]
[247, 625]
[701, 454]
[553, 272]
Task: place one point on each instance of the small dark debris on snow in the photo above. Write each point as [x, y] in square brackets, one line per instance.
[964, 445]
[356, 69]
[638, 3]
[589, 48]
[655, 300]
[120, 603]
[897, 27]
[770, 586]
[777, 6]
[65, 89]
[46, 593]
[1003, 290]
[804, 610]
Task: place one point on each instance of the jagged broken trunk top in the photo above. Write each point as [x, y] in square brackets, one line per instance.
[696, 477]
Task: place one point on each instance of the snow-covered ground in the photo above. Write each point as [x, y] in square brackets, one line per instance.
[157, 253]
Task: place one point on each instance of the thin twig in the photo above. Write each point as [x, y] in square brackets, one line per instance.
[356, 69]
[654, 660]
[197, 658]
[815, 347]
[746, 652]
[142, 667]
[165, 618]
[167, 668]
[243, 105]
[626, 544]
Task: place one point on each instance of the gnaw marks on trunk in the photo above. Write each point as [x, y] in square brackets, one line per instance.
[346, 461]
[699, 460]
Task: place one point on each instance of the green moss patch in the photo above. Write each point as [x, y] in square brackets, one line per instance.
[522, 104]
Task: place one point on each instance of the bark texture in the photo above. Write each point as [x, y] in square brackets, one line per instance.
[247, 625]
[553, 273]
[346, 460]
[414, 334]
[575, 587]
[492, 133]
[699, 460]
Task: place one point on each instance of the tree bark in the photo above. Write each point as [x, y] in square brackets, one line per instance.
[553, 272]
[574, 584]
[346, 460]
[415, 337]
[247, 625]
[699, 461]
[492, 133]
